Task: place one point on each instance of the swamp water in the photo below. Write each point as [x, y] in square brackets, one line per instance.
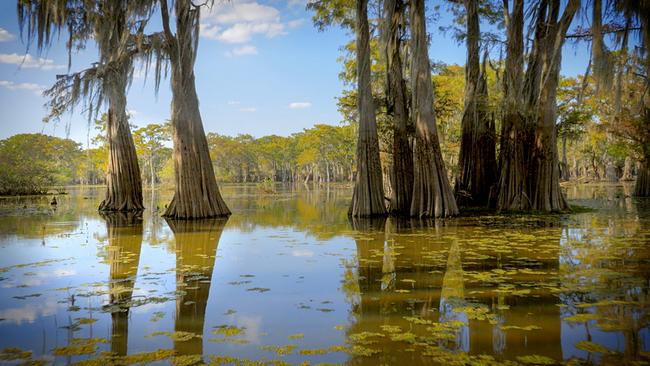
[288, 279]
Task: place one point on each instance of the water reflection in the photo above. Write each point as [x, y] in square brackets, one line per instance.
[124, 231]
[196, 246]
[295, 275]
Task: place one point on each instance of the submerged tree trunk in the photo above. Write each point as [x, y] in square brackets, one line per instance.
[196, 193]
[368, 195]
[402, 168]
[477, 161]
[124, 184]
[432, 194]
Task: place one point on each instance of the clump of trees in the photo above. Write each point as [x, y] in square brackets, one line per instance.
[526, 174]
[32, 163]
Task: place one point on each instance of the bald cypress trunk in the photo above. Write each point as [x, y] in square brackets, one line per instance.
[196, 193]
[642, 185]
[368, 195]
[545, 178]
[477, 160]
[432, 194]
[123, 180]
[515, 137]
[402, 168]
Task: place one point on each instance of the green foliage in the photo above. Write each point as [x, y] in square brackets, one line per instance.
[152, 153]
[307, 155]
[30, 163]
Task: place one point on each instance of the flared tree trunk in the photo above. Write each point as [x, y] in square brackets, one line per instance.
[124, 184]
[196, 193]
[515, 136]
[642, 185]
[368, 195]
[544, 184]
[402, 168]
[477, 159]
[432, 193]
[627, 170]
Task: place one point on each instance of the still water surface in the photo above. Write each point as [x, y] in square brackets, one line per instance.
[287, 278]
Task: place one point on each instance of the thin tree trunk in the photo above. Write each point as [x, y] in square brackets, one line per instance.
[432, 194]
[368, 195]
[477, 161]
[196, 193]
[124, 184]
[402, 168]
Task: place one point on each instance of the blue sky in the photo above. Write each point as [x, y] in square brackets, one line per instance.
[262, 68]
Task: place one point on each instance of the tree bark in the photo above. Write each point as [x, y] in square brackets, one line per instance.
[402, 168]
[124, 184]
[529, 177]
[627, 170]
[642, 185]
[368, 195]
[196, 193]
[564, 169]
[546, 194]
[123, 179]
[432, 194]
[514, 135]
[477, 160]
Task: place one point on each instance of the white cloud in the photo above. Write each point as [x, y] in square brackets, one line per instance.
[248, 109]
[242, 51]
[238, 21]
[132, 112]
[232, 12]
[299, 105]
[295, 23]
[5, 35]
[34, 88]
[29, 62]
[233, 102]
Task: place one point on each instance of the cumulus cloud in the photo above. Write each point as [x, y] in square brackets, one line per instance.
[299, 105]
[5, 35]
[34, 88]
[29, 62]
[238, 21]
[242, 51]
